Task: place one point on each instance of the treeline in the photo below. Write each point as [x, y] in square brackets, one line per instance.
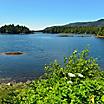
[77, 29]
[11, 29]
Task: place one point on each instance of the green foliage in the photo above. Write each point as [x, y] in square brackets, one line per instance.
[79, 81]
[76, 29]
[102, 98]
[11, 29]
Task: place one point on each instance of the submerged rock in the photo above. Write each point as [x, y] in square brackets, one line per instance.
[13, 53]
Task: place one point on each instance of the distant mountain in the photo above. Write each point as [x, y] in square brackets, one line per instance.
[99, 23]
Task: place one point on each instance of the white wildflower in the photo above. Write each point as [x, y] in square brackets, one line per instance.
[45, 67]
[71, 75]
[70, 82]
[75, 51]
[80, 75]
[8, 84]
[90, 74]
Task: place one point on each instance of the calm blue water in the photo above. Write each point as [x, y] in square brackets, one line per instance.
[41, 49]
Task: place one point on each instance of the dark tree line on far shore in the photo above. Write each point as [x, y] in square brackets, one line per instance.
[93, 27]
[11, 29]
[77, 29]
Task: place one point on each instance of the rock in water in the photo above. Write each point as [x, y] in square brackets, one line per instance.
[13, 53]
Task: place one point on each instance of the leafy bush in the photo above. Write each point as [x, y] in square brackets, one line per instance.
[79, 81]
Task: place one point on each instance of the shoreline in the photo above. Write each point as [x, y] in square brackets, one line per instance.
[99, 36]
[14, 81]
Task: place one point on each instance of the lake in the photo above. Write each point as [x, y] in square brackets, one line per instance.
[40, 49]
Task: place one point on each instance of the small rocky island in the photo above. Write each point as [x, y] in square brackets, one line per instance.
[13, 53]
[12, 29]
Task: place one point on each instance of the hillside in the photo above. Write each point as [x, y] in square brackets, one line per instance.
[98, 23]
[95, 27]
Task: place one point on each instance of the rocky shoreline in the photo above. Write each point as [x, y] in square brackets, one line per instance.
[99, 36]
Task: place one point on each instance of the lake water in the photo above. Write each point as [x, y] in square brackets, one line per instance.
[41, 49]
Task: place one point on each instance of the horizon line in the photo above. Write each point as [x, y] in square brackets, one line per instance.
[43, 27]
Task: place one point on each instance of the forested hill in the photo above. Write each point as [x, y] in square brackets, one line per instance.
[11, 29]
[95, 27]
[99, 23]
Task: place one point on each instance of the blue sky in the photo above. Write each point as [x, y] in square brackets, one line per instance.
[38, 14]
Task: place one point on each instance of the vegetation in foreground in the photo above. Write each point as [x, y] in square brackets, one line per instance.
[79, 81]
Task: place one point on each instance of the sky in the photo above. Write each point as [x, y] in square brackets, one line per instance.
[39, 14]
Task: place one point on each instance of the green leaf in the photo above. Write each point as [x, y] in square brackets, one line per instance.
[102, 98]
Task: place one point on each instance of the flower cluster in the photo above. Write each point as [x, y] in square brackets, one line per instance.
[71, 75]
